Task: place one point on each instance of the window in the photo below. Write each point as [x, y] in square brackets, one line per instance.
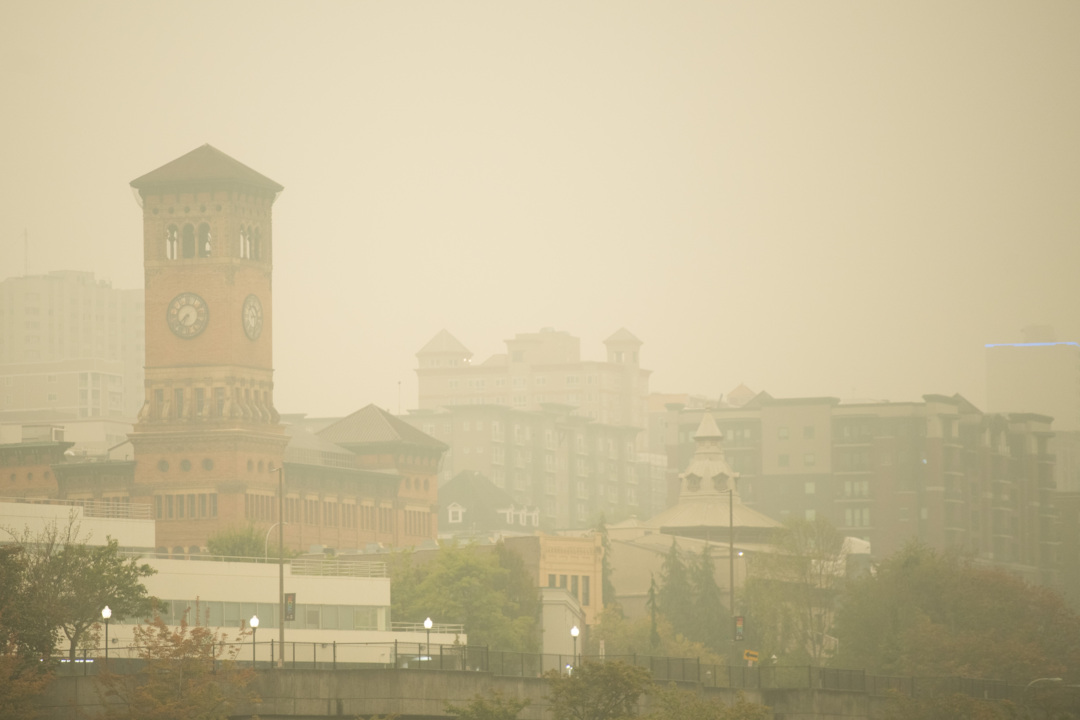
[172, 237]
[808, 432]
[585, 591]
[204, 240]
[551, 580]
[178, 401]
[809, 460]
[200, 401]
[782, 460]
[456, 513]
[808, 488]
[219, 402]
[574, 585]
[187, 242]
[782, 433]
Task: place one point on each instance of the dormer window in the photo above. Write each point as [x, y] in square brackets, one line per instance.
[455, 513]
[693, 483]
[720, 482]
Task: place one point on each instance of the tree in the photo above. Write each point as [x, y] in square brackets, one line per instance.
[671, 703]
[190, 673]
[244, 541]
[490, 706]
[607, 584]
[928, 613]
[597, 691]
[714, 629]
[792, 591]
[65, 583]
[948, 707]
[676, 596]
[623, 636]
[498, 604]
[653, 606]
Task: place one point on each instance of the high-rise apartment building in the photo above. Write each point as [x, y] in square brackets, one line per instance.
[939, 471]
[537, 369]
[70, 346]
[568, 467]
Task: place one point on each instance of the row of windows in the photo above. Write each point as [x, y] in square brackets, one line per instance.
[29, 476]
[189, 242]
[181, 405]
[191, 505]
[330, 513]
[580, 586]
[237, 614]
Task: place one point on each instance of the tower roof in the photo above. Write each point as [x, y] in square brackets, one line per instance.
[372, 425]
[623, 336]
[444, 342]
[204, 164]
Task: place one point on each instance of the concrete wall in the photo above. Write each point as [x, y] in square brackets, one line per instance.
[420, 695]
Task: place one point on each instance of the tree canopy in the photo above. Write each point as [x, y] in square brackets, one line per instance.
[791, 593]
[189, 673]
[489, 591]
[929, 613]
[61, 584]
[492, 705]
[597, 691]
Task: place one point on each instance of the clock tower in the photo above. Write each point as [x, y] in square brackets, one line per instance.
[208, 432]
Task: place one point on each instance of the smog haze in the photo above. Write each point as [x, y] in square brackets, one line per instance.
[828, 198]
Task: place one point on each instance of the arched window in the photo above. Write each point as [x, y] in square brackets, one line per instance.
[256, 238]
[204, 240]
[187, 242]
[172, 240]
[245, 243]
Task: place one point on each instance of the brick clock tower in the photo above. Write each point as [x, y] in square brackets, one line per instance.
[208, 433]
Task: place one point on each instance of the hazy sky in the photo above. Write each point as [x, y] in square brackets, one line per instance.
[842, 198]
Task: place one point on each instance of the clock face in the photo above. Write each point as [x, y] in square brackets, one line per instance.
[187, 315]
[251, 317]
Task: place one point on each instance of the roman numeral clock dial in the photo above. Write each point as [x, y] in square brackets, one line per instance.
[252, 317]
[187, 315]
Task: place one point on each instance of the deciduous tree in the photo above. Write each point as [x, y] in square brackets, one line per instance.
[492, 705]
[792, 591]
[190, 673]
[597, 691]
[929, 613]
[673, 703]
[498, 604]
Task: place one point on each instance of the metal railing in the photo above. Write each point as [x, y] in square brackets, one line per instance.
[397, 655]
[93, 508]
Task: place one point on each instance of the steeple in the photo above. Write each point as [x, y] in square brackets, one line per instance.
[708, 473]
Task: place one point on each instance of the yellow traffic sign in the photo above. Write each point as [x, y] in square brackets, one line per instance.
[749, 655]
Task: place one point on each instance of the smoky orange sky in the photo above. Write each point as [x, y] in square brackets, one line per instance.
[813, 198]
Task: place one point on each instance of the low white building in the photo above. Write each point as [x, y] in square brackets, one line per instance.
[342, 606]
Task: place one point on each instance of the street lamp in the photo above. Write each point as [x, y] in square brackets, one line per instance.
[254, 622]
[106, 613]
[574, 632]
[281, 561]
[427, 626]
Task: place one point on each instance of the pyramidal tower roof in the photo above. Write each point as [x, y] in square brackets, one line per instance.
[204, 165]
[444, 342]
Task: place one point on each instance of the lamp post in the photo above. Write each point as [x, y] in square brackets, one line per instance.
[1036, 681]
[574, 632]
[281, 562]
[106, 613]
[731, 553]
[427, 627]
[254, 622]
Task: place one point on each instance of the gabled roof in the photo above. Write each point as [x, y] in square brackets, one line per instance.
[444, 342]
[204, 164]
[622, 335]
[372, 425]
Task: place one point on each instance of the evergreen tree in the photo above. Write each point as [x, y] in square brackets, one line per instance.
[676, 596]
[654, 612]
[713, 615]
[606, 571]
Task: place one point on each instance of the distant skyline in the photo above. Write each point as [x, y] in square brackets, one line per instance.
[832, 198]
